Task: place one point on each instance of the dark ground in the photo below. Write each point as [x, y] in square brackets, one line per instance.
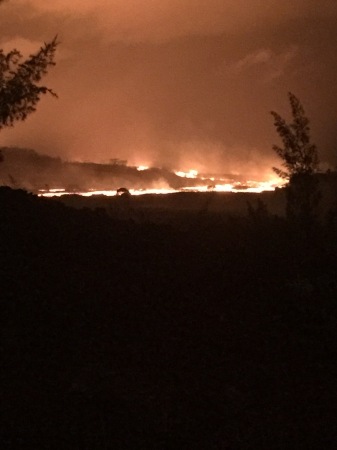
[205, 332]
[164, 208]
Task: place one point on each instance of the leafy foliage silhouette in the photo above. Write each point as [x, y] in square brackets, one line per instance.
[20, 91]
[299, 155]
[300, 161]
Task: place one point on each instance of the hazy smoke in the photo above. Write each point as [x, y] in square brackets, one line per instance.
[177, 83]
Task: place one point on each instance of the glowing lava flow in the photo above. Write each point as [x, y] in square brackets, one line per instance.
[190, 174]
[200, 183]
[249, 186]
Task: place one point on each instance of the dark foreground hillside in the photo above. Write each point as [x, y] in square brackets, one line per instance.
[219, 334]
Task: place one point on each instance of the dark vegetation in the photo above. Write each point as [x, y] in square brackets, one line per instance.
[20, 89]
[209, 333]
[300, 162]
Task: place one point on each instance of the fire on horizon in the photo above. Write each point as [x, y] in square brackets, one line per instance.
[218, 185]
[183, 84]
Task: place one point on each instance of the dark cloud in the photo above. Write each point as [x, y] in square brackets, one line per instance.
[181, 83]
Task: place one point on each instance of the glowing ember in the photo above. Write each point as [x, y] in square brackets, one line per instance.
[57, 190]
[190, 174]
[52, 192]
[141, 168]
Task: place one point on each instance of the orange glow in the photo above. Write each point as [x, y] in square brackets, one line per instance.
[249, 187]
[141, 168]
[190, 174]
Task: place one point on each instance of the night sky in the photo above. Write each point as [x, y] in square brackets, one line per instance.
[177, 83]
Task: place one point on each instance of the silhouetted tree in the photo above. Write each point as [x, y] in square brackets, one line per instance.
[19, 82]
[298, 154]
[300, 160]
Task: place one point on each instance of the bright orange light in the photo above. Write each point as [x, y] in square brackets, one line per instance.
[190, 174]
[254, 187]
[219, 185]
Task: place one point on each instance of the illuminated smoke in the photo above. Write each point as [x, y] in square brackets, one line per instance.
[177, 84]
